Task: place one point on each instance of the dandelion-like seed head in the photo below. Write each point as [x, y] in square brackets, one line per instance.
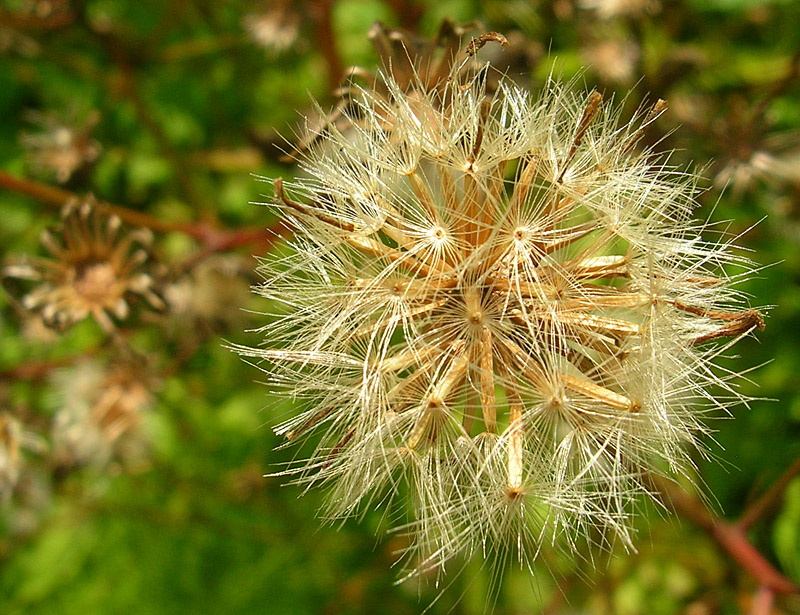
[498, 307]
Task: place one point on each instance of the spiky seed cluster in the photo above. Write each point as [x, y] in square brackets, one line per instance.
[497, 308]
[95, 269]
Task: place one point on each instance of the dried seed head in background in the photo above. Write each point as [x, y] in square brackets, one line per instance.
[620, 9]
[275, 27]
[613, 61]
[199, 302]
[14, 439]
[95, 270]
[99, 409]
[62, 146]
[499, 308]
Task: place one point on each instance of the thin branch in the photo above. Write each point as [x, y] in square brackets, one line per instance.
[730, 538]
[763, 600]
[213, 238]
[56, 21]
[33, 370]
[407, 12]
[769, 499]
[321, 12]
[778, 88]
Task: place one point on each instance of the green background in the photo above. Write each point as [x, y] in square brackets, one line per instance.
[190, 110]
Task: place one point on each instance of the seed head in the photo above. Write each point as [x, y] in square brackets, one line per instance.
[498, 308]
[99, 411]
[62, 146]
[97, 267]
[14, 439]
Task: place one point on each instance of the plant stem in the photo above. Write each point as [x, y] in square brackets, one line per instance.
[729, 536]
[213, 238]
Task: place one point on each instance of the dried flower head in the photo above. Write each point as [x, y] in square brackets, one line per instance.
[614, 61]
[611, 9]
[62, 146]
[95, 270]
[99, 411]
[13, 440]
[275, 27]
[200, 300]
[499, 308]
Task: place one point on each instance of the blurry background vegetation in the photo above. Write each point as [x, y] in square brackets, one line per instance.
[132, 458]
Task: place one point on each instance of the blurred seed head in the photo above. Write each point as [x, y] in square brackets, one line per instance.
[201, 300]
[498, 308]
[96, 268]
[611, 9]
[613, 61]
[275, 27]
[61, 146]
[99, 410]
[14, 439]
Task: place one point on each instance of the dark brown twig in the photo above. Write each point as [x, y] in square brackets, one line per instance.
[408, 13]
[213, 238]
[56, 21]
[729, 536]
[769, 499]
[321, 12]
[33, 370]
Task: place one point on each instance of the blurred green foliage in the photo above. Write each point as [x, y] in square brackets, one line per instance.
[184, 103]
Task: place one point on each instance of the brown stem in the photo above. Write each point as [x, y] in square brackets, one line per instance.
[213, 238]
[770, 498]
[777, 89]
[33, 370]
[321, 12]
[408, 13]
[131, 89]
[730, 538]
[763, 600]
[56, 21]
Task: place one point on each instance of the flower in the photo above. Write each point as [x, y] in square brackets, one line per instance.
[96, 270]
[500, 309]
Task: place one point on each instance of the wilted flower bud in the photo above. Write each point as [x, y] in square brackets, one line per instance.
[498, 307]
